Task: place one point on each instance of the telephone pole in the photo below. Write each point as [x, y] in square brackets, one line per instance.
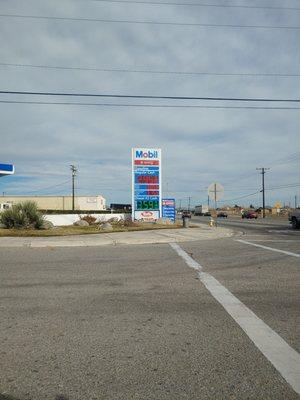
[189, 204]
[263, 171]
[74, 171]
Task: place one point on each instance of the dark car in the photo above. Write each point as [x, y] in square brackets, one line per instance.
[249, 215]
[207, 214]
[222, 214]
[186, 214]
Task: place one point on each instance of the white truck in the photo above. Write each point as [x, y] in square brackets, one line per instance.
[294, 218]
[200, 210]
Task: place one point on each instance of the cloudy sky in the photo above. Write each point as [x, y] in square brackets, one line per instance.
[199, 145]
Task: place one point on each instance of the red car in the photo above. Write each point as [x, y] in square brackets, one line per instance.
[249, 215]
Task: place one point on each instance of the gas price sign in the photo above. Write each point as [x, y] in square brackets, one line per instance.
[146, 184]
[168, 209]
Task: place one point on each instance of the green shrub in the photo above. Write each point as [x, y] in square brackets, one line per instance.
[22, 215]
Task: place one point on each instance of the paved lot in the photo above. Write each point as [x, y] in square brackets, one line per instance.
[135, 322]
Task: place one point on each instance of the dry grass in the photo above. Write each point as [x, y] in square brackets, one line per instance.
[83, 230]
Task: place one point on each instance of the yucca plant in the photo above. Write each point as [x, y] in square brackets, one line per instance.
[22, 215]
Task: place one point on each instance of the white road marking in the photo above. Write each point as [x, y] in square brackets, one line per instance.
[287, 232]
[275, 240]
[289, 253]
[283, 357]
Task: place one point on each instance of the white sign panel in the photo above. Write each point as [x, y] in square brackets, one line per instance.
[146, 184]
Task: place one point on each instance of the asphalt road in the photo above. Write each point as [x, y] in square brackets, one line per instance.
[267, 225]
[136, 322]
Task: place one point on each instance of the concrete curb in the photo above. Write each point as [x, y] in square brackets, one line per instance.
[203, 232]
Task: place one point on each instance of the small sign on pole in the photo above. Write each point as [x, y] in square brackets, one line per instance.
[215, 192]
[168, 209]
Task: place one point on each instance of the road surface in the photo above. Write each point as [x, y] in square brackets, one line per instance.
[215, 319]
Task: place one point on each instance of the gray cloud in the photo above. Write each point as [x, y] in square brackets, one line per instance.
[199, 145]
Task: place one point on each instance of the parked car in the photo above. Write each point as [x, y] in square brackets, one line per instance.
[294, 218]
[186, 214]
[249, 215]
[222, 214]
[207, 214]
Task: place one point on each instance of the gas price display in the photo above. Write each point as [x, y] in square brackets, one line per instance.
[146, 181]
[147, 205]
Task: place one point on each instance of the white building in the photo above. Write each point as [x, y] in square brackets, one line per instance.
[61, 203]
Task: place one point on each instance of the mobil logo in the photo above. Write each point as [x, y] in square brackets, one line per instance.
[146, 154]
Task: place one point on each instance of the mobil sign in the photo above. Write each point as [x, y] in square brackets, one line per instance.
[7, 169]
[146, 184]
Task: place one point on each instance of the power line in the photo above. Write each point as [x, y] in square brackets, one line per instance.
[238, 198]
[152, 97]
[149, 71]
[284, 186]
[139, 22]
[294, 157]
[196, 4]
[145, 105]
[46, 188]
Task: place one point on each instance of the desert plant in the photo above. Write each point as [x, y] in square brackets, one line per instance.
[130, 223]
[22, 215]
[88, 218]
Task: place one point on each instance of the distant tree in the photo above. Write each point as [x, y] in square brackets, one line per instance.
[251, 206]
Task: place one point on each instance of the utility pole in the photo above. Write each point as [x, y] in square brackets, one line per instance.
[263, 171]
[189, 206]
[295, 202]
[215, 195]
[73, 170]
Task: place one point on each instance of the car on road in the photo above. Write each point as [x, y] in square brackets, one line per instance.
[249, 215]
[207, 214]
[294, 218]
[186, 214]
[222, 214]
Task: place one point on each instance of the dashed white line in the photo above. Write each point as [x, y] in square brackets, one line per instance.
[289, 253]
[283, 357]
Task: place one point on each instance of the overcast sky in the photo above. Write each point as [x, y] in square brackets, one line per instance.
[199, 145]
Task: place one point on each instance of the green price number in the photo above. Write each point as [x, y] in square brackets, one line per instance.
[147, 205]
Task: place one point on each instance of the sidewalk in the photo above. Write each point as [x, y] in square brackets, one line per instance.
[203, 232]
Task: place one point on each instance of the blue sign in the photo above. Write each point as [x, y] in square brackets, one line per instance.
[168, 209]
[7, 169]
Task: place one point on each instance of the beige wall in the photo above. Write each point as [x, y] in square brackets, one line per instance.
[59, 202]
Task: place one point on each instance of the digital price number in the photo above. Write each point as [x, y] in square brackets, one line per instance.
[147, 205]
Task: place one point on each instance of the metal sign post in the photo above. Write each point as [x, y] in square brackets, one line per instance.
[215, 192]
